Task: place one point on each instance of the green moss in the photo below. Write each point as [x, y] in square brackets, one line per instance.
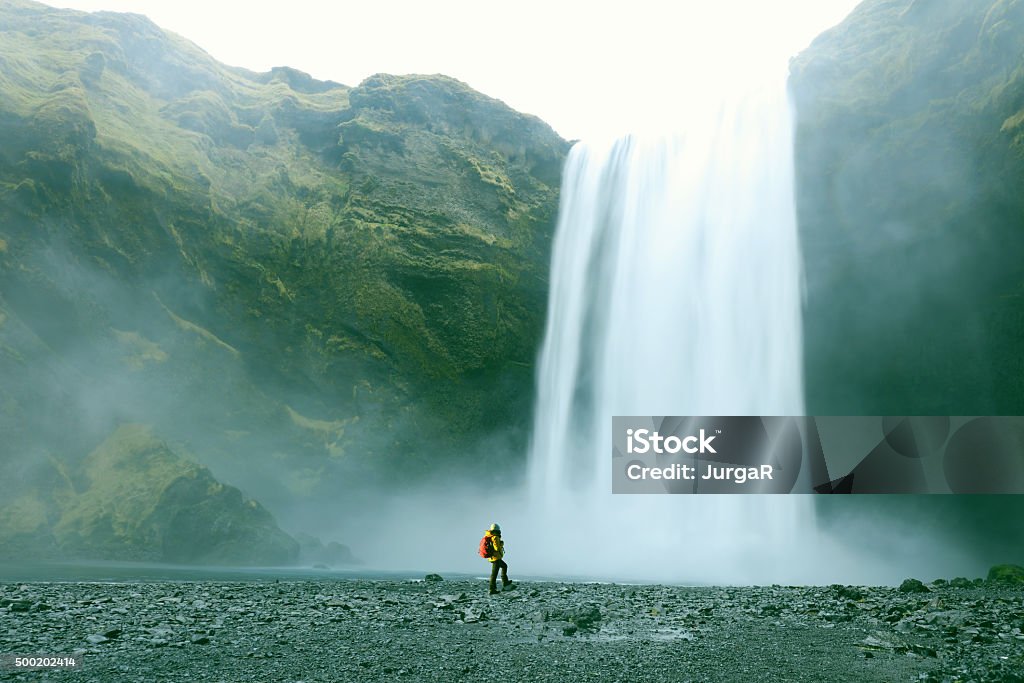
[907, 143]
[251, 244]
[140, 499]
[125, 477]
[1010, 574]
[24, 515]
[139, 350]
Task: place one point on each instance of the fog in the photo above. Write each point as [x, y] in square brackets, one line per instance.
[91, 344]
[73, 396]
[669, 539]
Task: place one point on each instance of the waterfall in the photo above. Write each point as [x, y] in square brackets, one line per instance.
[675, 290]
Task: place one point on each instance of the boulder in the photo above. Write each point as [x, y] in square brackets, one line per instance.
[913, 586]
[1010, 574]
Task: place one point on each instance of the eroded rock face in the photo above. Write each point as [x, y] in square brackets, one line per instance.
[908, 158]
[140, 500]
[315, 286]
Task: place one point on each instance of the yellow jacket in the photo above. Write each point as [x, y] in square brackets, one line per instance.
[497, 545]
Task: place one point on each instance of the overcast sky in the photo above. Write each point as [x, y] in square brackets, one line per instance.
[586, 68]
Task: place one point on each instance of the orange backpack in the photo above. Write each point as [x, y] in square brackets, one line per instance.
[486, 549]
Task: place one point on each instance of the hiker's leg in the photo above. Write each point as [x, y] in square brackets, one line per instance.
[494, 575]
[504, 571]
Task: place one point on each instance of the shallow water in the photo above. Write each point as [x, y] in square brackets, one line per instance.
[138, 572]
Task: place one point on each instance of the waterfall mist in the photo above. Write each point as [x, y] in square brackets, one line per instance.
[675, 289]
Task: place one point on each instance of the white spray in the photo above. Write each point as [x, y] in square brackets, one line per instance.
[675, 290]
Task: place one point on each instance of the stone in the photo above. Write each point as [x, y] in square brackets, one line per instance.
[850, 593]
[471, 616]
[1009, 574]
[585, 618]
[913, 586]
[874, 642]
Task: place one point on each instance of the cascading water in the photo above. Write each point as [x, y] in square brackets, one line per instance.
[675, 289]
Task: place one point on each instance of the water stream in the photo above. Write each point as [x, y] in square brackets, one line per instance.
[675, 290]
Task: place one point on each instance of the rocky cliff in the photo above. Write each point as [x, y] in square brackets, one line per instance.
[910, 163]
[910, 159]
[305, 284]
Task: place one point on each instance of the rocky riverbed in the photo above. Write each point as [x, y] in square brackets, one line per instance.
[451, 630]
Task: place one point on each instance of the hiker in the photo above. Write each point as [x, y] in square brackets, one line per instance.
[493, 548]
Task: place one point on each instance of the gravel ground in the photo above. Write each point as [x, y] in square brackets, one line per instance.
[362, 630]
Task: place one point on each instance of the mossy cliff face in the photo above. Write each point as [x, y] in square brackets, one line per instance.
[141, 500]
[910, 156]
[134, 498]
[910, 162]
[307, 283]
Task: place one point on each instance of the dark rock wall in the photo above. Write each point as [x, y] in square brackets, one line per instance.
[910, 167]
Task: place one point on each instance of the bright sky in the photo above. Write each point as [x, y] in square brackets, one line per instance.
[588, 69]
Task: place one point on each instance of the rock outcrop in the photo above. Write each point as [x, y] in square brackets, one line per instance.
[316, 286]
[134, 498]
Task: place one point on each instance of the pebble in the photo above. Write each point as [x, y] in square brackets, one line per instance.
[558, 631]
